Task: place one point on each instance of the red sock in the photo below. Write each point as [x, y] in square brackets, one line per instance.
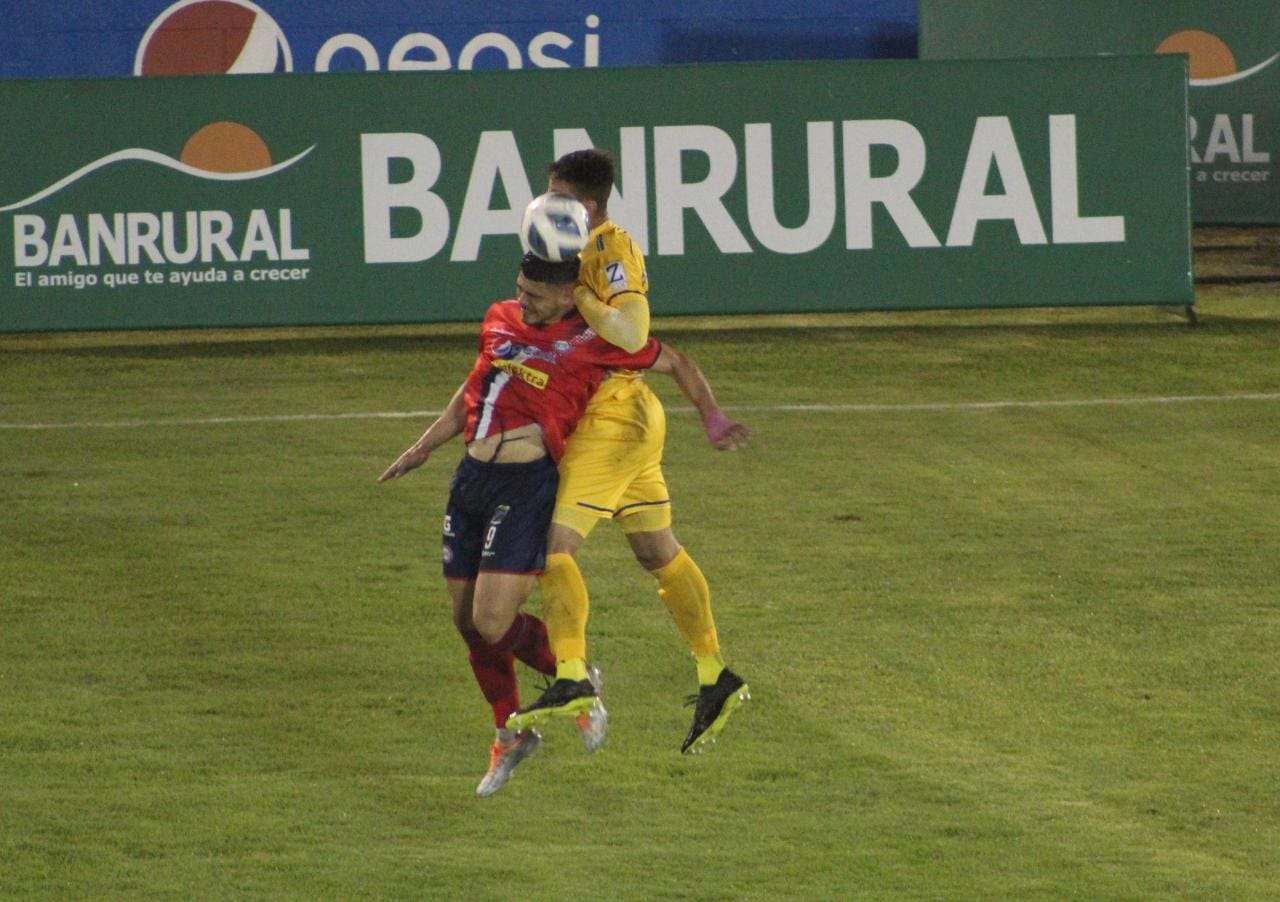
[495, 672]
[527, 640]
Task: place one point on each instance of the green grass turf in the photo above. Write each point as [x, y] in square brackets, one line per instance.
[1020, 652]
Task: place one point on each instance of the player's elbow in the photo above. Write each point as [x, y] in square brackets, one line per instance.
[632, 321]
[632, 343]
[670, 362]
[623, 334]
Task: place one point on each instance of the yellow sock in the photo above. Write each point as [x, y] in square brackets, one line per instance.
[564, 606]
[684, 591]
[571, 669]
[709, 667]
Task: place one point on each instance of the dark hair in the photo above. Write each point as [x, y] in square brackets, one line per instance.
[590, 172]
[539, 270]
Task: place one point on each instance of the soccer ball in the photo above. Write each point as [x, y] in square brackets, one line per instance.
[554, 227]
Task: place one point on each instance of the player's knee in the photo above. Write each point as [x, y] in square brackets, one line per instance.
[562, 539]
[491, 625]
[561, 547]
[651, 561]
[654, 550]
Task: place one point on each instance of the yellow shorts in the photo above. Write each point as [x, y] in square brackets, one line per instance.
[612, 464]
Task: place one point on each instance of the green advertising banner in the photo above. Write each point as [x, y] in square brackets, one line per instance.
[1233, 51]
[758, 187]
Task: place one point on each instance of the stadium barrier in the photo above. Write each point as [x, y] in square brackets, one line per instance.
[753, 187]
[1234, 75]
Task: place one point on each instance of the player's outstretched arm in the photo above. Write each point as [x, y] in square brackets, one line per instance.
[722, 432]
[449, 424]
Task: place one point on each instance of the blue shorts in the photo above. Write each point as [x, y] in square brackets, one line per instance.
[498, 516]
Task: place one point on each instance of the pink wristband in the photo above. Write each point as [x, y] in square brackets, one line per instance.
[717, 425]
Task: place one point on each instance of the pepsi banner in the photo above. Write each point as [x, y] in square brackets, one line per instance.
[753, 187]
[1233, 53]
[64, 38]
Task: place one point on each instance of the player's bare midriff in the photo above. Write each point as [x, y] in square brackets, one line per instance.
[515, 446]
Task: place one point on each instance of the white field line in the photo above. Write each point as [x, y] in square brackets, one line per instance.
[749, 408]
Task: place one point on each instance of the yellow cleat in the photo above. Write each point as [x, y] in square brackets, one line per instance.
[563, 698]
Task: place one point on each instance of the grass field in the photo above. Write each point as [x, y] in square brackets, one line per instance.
[998, 651]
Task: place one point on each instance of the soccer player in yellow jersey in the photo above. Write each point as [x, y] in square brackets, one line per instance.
[612, 468]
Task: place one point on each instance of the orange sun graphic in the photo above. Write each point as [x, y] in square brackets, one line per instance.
[1209, 55]
[226, 147]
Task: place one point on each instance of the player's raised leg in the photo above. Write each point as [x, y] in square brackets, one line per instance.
[684, 590]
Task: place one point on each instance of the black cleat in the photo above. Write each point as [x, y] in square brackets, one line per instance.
[563, 698]
[714, 704]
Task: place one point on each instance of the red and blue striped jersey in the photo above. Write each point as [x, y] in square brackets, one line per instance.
[539, 374]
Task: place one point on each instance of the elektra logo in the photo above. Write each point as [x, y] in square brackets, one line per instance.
[1211, 61]
[213, 37]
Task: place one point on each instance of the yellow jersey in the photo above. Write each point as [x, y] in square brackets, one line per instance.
[612, 465]
[613, 266]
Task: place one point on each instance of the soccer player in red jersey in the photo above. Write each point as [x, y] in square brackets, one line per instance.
[538, 365]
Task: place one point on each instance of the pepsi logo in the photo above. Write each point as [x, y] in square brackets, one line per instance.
[213, 37]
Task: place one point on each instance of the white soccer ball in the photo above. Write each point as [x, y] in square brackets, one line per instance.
[554, 227]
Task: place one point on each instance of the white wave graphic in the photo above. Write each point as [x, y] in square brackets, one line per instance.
[142, 155]
[1238, 76]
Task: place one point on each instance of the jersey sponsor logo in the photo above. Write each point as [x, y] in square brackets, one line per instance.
[511, 350]
[536, 378]
[617, 274]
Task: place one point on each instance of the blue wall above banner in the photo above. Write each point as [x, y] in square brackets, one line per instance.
[121, 37]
